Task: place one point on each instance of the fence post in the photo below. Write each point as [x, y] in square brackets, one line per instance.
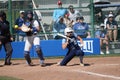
[10, 14]
[92, 17]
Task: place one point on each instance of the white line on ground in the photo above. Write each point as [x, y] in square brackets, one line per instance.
[97, 74]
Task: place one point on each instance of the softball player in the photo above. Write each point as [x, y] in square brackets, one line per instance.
[73, 47]
[32, 38]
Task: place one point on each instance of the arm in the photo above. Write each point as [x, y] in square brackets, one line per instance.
[64, 43]
[80, 39]
[37, 25]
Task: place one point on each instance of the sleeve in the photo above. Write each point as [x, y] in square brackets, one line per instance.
[16, 22]
[107, 22]
[116, 23]
[54, 15]
[63, 41]
[97, 34]
[87, 27]
[36, 24]
[78, 13]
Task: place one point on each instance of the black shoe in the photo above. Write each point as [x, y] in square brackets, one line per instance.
[31, 64]
[8, 63]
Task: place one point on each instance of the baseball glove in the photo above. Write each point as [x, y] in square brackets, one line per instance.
[25, 28]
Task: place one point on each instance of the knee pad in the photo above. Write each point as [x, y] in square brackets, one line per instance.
[38, 50]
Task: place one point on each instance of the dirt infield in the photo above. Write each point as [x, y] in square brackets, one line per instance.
[102, 68]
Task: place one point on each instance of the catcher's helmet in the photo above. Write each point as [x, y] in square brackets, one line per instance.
[29, 15]
[68, 29]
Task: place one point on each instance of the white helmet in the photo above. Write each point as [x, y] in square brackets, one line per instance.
[68, 29]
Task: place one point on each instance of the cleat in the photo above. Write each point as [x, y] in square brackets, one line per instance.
[58, 64]
[42, 65]
[101, 52]
[10, 63]
[81, 64]
[107, 52]
[31, 64]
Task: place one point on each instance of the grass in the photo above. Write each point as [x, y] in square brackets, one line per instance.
[8, 78]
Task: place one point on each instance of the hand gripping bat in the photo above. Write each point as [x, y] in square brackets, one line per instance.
[61, 35]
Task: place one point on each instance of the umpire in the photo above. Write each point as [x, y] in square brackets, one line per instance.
[5, 37]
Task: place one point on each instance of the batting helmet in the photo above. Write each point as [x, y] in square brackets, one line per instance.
[68, 29]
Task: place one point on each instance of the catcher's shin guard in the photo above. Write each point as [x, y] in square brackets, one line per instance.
[39, 53]
[27, 57]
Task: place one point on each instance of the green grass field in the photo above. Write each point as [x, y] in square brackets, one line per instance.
[8, 78]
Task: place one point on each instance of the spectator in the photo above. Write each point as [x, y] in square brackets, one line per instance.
[59, 27]
[99, 17]
[102, 35]
[73, 14]
[73, 48]
[58, 15]
[60, 11]
[106, 19]
[5, 37]
[112, 25]
[18, 23]
[81, 28]
[67, 20]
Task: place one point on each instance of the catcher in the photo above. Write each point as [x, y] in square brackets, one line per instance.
[73, 48]
[31, 28]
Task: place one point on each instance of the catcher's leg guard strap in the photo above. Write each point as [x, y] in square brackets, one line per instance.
[39, 53]
[27, 57]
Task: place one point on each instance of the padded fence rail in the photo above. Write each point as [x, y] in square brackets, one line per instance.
[52, 48]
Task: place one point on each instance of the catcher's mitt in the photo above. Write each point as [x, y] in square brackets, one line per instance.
[25, 28]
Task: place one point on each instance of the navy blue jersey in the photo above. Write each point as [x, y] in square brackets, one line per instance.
[72, 44]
